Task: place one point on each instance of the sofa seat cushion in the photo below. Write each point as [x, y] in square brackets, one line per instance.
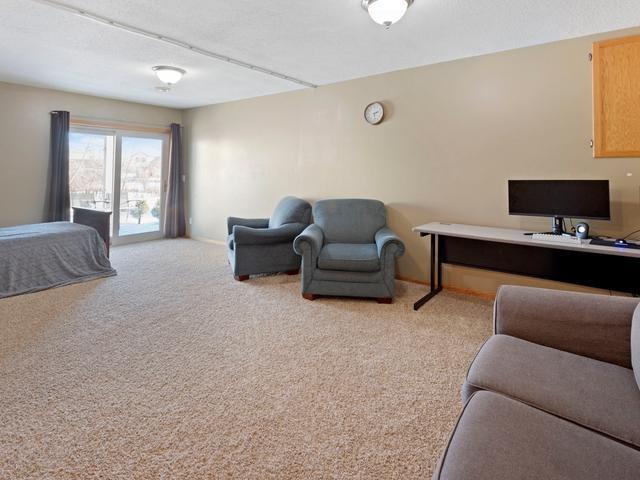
[230, 241]
[498, 438]
[598, 395]
[350, 257]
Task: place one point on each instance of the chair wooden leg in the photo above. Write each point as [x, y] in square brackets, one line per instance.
[241, 278]
[293, 272]
[309, 296]
[385, 300]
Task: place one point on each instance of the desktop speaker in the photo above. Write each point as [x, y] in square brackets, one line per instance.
[582, 230]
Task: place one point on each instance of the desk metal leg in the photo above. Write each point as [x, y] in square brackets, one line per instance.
[436, 273]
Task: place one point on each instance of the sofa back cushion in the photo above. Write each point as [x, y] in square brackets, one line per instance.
[350, 220]
[635, 344]
[290, 210]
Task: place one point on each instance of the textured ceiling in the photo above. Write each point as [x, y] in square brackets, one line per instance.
[321, 42]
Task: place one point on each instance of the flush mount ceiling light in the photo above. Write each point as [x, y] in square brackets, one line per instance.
[169, 75]
[386, 12]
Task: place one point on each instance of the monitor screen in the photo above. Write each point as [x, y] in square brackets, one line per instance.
[560, 198]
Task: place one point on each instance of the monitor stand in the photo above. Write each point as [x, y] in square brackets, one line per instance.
[557, 225]
[557, 228]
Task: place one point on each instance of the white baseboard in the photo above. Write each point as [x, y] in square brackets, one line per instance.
[208, 240]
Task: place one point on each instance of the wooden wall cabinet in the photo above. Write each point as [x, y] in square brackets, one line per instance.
[616, 97]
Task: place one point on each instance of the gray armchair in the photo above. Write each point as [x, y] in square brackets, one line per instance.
[349, 251]
[264, 245]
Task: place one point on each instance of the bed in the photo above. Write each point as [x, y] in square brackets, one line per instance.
[44, 255]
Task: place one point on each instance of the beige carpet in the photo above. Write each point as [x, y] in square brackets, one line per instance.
[174, 370]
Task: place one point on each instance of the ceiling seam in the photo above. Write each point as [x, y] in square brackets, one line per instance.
[172, 41]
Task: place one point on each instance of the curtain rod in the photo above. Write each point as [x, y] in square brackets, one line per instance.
[80, 118]
[118, 124]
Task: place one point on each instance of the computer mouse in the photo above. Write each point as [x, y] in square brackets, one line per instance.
[621, 242]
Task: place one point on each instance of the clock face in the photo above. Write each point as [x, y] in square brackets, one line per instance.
[374, 113]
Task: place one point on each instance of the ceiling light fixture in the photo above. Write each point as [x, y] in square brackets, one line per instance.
[169, 75]
[386, 12]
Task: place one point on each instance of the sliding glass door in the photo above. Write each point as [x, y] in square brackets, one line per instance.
[123, 172]
[141, 180]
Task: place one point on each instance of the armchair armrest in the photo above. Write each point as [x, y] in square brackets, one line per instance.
[385, 239]
[246, 222]
[310, 240]
[596, 326]
[263, 236]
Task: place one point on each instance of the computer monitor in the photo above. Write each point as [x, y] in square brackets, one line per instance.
[583, 199]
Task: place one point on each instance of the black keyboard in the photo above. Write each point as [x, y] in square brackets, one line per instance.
[611, 242]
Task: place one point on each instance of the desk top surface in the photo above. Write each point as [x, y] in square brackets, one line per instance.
[518, 237]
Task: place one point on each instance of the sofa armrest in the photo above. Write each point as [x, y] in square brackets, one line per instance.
[264, 236]
[387, 241]
[309, 241]
[596, 326]
[246, 222]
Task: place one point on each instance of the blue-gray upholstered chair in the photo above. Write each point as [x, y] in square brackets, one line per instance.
[349, 251]
[265, 245]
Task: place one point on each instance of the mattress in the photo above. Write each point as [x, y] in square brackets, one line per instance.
[45, 255]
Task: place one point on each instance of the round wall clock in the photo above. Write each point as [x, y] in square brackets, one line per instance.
[374, 113]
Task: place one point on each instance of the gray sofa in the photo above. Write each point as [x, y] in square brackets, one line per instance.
[264, 245]
[554, 394]
[349, 251]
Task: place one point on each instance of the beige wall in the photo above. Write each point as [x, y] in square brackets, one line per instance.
[24, 141]
[454, 133]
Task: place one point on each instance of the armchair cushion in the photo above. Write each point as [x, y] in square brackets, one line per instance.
[290, 210]
[348, 257]
[350, 220]
[264, 236]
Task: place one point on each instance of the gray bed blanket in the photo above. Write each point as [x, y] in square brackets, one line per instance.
[44, 255]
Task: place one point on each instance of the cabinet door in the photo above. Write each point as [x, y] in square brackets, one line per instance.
[616, 97]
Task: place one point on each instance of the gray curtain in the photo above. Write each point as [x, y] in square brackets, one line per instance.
[174, 218]
[58, 200]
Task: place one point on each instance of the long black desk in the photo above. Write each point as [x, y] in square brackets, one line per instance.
[511, 251]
